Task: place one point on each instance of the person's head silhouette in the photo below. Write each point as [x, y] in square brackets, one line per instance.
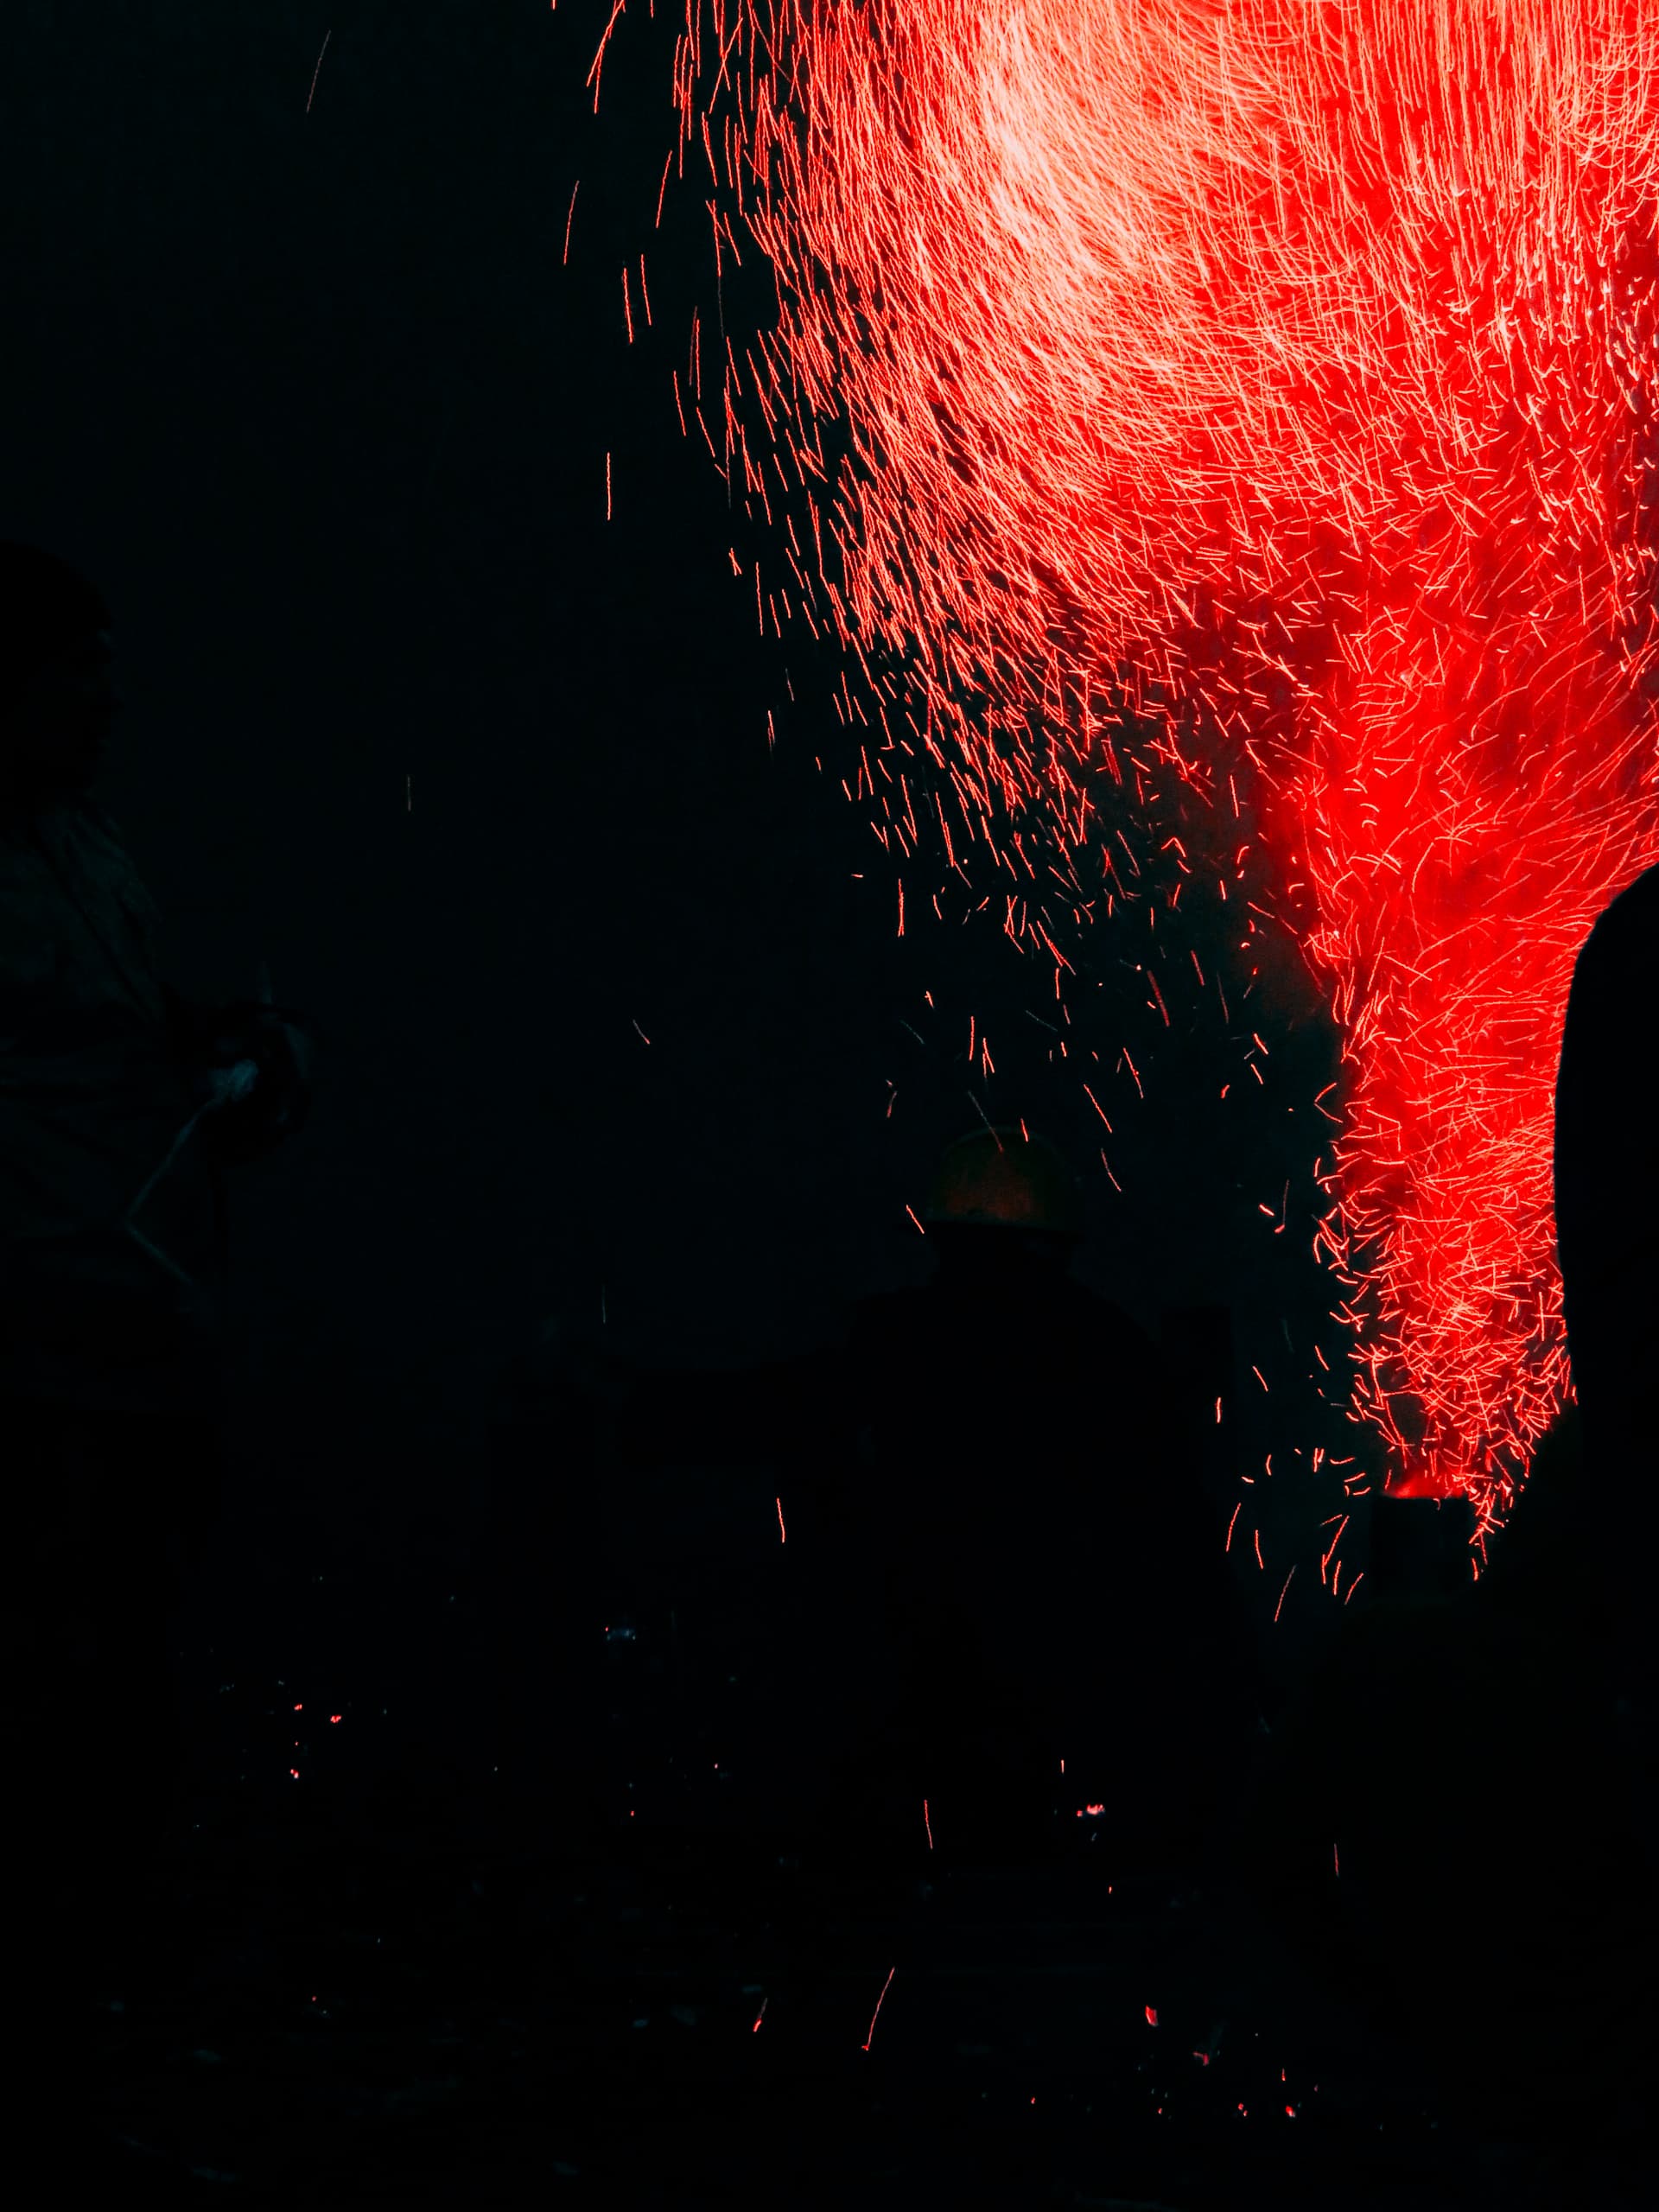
[1004, 1201]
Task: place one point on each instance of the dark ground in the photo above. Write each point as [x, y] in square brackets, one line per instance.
[367, 2018]
[386, 1975]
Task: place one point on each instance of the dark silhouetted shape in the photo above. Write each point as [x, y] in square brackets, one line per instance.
[1607, 1228]
[999, 1559]
[119, 1104]
[1024, 1497]
[1449, 1826]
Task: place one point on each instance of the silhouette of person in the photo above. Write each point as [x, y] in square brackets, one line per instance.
[1607, 1234]
[1024, 1487]
[1017, 1565]
[119, 1105]
[1456, 1762]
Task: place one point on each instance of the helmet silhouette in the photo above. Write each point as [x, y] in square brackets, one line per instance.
[1001, 1179]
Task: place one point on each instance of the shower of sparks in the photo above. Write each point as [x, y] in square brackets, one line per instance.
[1249, 412]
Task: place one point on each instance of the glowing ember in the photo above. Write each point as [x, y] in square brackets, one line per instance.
[1281, 375]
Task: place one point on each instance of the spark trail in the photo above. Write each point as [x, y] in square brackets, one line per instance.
[1279, 377]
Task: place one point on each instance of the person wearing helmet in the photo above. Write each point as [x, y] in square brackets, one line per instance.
[119, 1104]
[1007, 1599]
[1005, 1180]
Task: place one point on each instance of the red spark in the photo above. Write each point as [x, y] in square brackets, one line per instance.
[876, 2015]
[1335, 1541]
[595, 72]
[783, 1533]
[1281, 379]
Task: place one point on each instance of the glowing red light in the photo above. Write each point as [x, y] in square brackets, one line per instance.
[1413, 1481]
[1287, 375]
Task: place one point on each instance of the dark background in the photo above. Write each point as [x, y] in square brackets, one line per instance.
[486, 777]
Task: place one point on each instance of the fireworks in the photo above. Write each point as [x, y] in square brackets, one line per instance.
[1279, 378]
